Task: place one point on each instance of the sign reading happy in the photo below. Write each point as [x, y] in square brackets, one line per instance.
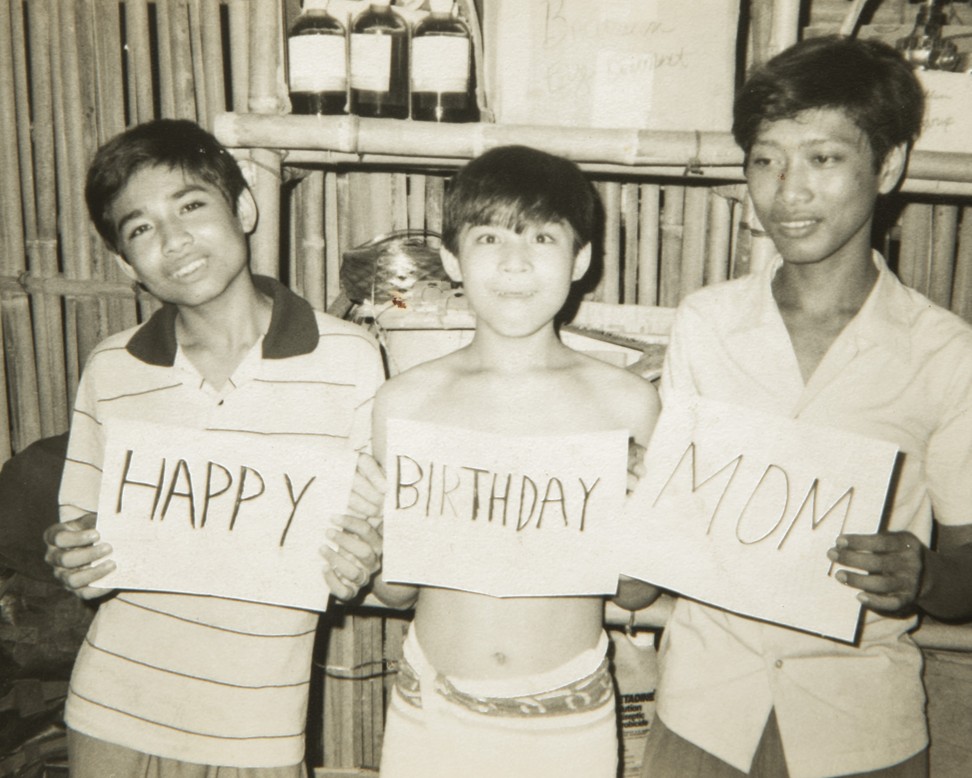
[213, 513]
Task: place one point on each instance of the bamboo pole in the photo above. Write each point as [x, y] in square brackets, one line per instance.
[416, 201]
[915, 246]
[609, 285]
[669, 281]
[629, 218]
[169, 81]
[6, 444]
[181, 59]
[70, 146]
[344, 215]
[339, 742]
[109, 112]
[311, 239]
[332, 246]
[139, 52]
[434, 192]
[265, 57]
[943, 243]
[239, 33]
[398, 184]
[648, 234]
[212, 59]
[23, 419]
[465, 141]
[962, 281]
[692, 267]
[199, 86]
[718, 239]
[785, 29]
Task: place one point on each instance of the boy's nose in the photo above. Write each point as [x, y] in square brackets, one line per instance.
[793, 185]
[516, 258]
[175, 237]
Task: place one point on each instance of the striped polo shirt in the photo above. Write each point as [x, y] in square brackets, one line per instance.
[198, 678]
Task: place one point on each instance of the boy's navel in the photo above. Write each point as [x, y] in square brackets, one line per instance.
[500, 658]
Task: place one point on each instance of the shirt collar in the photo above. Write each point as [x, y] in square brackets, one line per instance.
[882, 320]
[292, 332]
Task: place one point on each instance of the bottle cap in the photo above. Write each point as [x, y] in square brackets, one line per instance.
[440, 6]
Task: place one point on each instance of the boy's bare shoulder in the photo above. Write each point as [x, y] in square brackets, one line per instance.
[614, 379]
[416, 383]
[633, 399]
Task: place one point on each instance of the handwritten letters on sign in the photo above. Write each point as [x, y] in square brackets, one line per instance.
[739, 508]
[503, 515]
[220, 513]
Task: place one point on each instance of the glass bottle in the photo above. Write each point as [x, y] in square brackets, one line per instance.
[317, 61]
[441, 78]
[379, 63]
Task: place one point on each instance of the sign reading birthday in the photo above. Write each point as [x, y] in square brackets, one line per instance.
[202, 512]
[503, 515]
[738, 509]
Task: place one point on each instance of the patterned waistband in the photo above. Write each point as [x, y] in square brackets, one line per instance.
[579, 696]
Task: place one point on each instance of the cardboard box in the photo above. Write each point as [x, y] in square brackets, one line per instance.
[646, 64]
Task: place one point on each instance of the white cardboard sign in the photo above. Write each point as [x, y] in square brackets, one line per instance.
[503, 515]
[738, 509]
[200, 512]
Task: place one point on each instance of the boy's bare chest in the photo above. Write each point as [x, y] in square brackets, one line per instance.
[527, 407]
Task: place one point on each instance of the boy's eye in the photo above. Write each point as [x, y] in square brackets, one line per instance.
[760, 161]
[487, 238]
[137, 230]
[545, 237]
[824, 160]
[192, 205]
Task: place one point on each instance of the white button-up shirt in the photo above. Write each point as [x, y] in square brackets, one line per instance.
[901, 371]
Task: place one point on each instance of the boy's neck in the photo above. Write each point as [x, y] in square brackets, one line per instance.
[495, 352]
[824, 288]
[216, 336]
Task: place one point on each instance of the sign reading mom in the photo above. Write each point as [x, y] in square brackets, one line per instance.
[738, 509]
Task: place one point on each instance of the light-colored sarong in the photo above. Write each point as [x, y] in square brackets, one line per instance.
[559, 723]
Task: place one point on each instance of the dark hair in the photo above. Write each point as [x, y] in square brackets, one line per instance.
[172, 143]
[866, 79]
[511, 186]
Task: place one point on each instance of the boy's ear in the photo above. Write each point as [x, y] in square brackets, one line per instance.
[893, 168]
[450, 262]
[581, 262]
[246, 211]
[127, 269]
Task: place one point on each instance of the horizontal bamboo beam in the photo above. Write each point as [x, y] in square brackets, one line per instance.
[69, 287]
[352, 134]
[350, 140]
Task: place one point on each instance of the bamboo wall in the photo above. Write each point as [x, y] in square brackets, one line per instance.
[72, 74]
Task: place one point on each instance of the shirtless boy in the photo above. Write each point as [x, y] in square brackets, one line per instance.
[512, 686]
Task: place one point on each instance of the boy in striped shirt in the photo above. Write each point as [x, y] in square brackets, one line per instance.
[183, 684]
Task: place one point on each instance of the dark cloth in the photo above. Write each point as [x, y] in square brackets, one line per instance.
[29, 484]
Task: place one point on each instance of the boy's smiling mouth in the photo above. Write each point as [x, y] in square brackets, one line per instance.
[188, 269]
[796, 227]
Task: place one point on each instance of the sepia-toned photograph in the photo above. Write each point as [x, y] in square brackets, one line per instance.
[486, 389]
